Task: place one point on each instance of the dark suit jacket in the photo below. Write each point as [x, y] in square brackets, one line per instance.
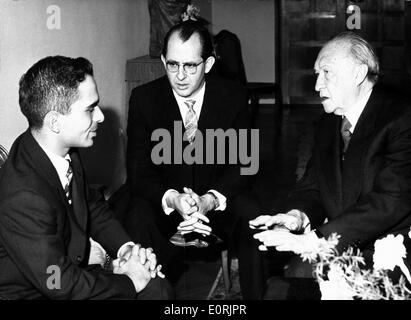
[39, 229]
[370, 196]
[153, 106]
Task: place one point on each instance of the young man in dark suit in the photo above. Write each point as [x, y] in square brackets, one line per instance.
[48, 212]
[358, 181]
[190, 199]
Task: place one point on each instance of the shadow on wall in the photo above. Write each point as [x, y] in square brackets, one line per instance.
[104, 162]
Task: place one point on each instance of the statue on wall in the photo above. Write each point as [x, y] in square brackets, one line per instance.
[163, 15]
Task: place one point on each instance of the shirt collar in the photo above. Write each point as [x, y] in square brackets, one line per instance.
[355, 112]
[198, 97]
[60, 164]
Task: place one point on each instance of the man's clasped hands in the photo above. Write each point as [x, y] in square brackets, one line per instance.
[193, 208]
[139, 264]
[134, 261]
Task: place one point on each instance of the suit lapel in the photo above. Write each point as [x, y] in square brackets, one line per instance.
[46, 169]
[43, 164]
[78, 194]
[330, 158]
[171, 110]
[212, 114]
[209, 110]
[171, 113]
[357, 149]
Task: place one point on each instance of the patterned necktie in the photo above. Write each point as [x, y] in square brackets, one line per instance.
[180, 240]
[69, 176]
[345, 134]
[190, 122]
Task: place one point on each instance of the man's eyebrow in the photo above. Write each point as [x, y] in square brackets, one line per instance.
[176, 62]
[322, 65]
[93, 105]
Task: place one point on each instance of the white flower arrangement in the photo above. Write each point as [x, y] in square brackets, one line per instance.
[191, 13]
[343, 277]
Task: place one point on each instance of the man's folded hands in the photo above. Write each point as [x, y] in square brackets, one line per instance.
[139, 264]
[193, 209]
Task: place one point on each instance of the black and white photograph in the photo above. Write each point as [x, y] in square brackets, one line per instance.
[214, 156]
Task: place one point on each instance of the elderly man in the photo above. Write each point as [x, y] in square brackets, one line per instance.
[358, 181]
[183, 202]
[47, 210]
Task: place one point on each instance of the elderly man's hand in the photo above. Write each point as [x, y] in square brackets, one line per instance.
[292, 221]
[287, 241]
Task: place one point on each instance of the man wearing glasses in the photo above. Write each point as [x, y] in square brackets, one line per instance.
[183, 203]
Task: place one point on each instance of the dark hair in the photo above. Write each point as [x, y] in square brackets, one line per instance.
[185, 30]
[362, 52]
[51, 84]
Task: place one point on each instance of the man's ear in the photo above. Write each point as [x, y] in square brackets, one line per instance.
[361, 75]
[51, 121]
[209, 64]
[164, 60]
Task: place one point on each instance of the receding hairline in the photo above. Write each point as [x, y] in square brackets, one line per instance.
[340, 46]
[337, 49]
[178, 36]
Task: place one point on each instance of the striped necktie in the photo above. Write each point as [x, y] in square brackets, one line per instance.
[345, 135]
[190, 122]
[180, 240]
[67, 187]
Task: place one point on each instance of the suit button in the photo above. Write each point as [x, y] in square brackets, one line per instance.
[78, 258]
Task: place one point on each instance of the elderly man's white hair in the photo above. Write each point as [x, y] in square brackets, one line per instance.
[361, 51]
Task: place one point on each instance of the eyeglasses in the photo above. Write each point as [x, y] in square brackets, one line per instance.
[190, 68]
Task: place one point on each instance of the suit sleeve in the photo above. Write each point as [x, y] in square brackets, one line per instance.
[306, 196]
[32, 236]
[104, 228]
[387, 205]
[143, 177]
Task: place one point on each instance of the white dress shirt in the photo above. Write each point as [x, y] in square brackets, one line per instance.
[198, 98]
